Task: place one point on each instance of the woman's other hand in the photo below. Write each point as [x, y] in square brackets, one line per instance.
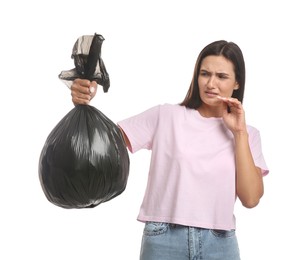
[235, 119]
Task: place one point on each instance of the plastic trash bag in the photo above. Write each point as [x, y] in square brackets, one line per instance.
[84, 160]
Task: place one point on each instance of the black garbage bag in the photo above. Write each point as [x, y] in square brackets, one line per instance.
[84, 160]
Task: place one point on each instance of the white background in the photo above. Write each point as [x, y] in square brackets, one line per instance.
[150, 49]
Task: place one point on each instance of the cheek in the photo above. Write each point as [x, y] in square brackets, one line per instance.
[201, 91]
[201, 81]
[227, 91]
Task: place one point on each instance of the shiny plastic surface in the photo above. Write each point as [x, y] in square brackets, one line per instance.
[84, 161]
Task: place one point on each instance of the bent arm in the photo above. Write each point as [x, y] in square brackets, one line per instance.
[249, 179]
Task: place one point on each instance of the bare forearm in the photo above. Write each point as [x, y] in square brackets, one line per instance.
[249, 183]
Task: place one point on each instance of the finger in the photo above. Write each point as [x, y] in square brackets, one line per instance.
[83, 91]
[231, 102]
[82, 82]
[93, 87]
[81, 85]
[91, 90]
[80, 101]
[80, 96]
[236, 104]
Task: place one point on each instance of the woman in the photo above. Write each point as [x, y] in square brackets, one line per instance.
[203, 156]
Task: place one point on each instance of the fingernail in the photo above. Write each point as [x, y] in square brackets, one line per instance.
[91, 89]
[223, 98]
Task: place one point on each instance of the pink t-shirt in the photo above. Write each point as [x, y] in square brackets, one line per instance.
[191, 177]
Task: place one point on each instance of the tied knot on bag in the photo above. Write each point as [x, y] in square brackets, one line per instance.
[86, 54]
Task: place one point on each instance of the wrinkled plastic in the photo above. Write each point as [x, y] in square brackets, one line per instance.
[88, 48]
[84, 160]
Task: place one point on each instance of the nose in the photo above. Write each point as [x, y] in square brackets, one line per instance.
[211, 82]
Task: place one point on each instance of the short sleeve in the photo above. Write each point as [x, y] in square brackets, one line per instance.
[140, 128]
[256, 150]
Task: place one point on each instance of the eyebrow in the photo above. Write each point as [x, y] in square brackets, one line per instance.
[217, 73]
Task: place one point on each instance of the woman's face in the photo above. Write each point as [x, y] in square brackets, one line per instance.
[216, 78]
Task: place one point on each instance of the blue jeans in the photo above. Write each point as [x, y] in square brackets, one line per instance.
[163, 241]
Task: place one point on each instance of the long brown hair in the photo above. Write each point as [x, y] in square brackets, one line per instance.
[230, 51]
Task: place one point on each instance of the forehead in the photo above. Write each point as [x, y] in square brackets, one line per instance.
[217, 64]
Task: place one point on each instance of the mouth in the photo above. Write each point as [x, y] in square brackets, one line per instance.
[211, 94]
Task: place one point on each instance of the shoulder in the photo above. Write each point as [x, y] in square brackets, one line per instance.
[163, 112]
[174, 111]
[166, 107]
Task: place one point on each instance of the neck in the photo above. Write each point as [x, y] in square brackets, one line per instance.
[206, 111]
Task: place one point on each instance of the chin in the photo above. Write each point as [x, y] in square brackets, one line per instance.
[211, 102]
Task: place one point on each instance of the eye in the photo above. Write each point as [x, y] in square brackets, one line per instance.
[204, 73]
[222, 76]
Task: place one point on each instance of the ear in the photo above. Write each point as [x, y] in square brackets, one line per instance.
[236, 86]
